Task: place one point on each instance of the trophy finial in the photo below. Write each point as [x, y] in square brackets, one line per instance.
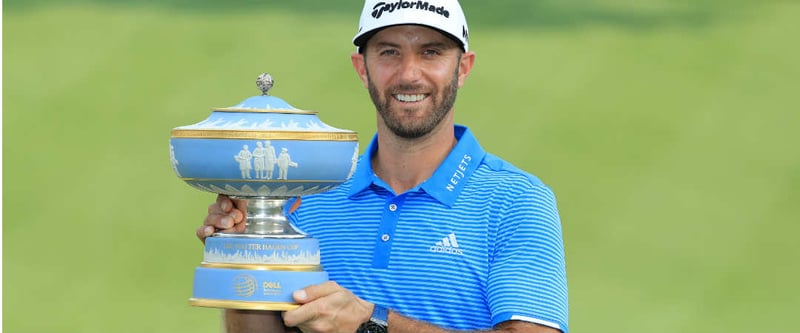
[264, 83]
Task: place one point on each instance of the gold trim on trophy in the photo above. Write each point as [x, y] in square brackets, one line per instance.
[264, 135]
[264, 267]
[242, 305]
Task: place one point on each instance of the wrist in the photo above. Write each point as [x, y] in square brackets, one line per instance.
[378, 321]
[380, 314]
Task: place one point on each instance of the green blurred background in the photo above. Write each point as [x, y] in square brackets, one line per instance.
[668, 130]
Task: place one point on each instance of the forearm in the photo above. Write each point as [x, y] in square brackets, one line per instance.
[402, 324]
[247, 321]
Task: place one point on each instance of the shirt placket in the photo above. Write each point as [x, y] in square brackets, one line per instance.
[385, 235]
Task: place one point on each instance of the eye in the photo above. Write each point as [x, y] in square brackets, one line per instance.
[388, 52]
[431, 52]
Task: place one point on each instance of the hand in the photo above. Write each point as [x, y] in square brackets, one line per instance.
[328, 308]
[225, 215]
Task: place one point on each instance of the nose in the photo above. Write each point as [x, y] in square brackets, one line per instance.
[410, 71]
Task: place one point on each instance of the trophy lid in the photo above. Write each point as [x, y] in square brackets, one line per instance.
[265, 102]
[257, 114]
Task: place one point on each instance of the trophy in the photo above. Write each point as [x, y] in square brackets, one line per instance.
[267, 152]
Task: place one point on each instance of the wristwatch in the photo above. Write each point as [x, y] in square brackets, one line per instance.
[377, 323]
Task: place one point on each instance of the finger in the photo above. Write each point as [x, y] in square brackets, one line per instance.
[300, 315]
[212, 224]
[224, 203]
[239, 226]
[295, 205]
[327, 307]
[214, 208]
[308, 311]
[239, 212]
[224, 207]
[220, 220]
[240, 204]
[220, 206]
[312, 293]
[236, 216]
[230, 231]
[204, 231]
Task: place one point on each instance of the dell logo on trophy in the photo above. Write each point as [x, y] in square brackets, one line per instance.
[267, 152]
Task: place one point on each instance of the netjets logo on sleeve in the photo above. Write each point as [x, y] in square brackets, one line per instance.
[382, 7]
[448, 245]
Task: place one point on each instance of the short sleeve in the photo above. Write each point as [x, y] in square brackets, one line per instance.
[527, 277]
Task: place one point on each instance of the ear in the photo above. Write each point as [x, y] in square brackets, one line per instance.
[360, 65]
[467, 61]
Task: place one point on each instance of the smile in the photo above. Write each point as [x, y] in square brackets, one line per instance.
[410, 98]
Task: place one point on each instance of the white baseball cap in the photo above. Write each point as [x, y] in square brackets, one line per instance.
[443, 15]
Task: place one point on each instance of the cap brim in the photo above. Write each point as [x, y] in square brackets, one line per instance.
[363, 38]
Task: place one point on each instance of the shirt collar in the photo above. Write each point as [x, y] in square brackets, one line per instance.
[446, 182]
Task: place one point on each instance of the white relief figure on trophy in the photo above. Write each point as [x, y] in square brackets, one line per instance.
[284, 162]
[174, 160]
[317, 125]
[291, 125]
[258, 161]
[244, 158]
[264, 125]
[269, 159]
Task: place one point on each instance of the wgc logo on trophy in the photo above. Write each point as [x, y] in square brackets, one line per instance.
[267, 152]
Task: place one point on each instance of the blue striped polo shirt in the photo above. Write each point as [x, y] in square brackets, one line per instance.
[477, 244]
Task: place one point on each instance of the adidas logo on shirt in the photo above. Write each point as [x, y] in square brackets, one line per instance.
[448, 244]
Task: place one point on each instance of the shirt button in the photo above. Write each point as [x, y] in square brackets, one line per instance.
[392, 207]
[385, 237]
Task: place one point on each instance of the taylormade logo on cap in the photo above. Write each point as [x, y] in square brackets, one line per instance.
[443, 15]
[381, 7]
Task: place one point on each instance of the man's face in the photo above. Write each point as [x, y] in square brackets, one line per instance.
[413, 74]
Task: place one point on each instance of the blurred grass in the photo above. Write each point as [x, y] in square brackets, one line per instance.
[668, 130]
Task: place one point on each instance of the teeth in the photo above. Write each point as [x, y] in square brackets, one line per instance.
[410, 98]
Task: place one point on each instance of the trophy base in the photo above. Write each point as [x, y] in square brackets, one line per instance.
[256, 273]
[239, 305]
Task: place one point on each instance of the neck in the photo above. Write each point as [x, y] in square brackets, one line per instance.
[405, 163]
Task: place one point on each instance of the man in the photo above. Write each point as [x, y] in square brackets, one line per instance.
[431, 234]
[244, 158]
[258, 161]
[284, 162]
[269, 159]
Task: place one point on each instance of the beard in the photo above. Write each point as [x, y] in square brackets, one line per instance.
[442, 104]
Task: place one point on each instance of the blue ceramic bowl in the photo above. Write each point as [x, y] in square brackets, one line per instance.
[263, 147]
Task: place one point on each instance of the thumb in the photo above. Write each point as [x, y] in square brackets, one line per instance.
[314, 292]
[301, 296]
